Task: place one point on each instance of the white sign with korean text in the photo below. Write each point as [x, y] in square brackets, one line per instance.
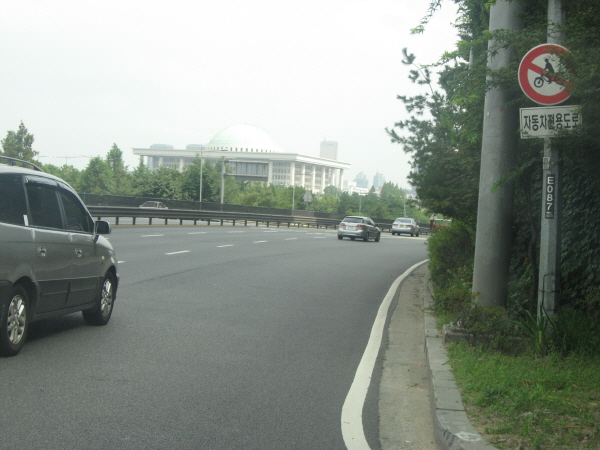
[548, 121]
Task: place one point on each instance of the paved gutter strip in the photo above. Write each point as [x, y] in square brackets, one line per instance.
[453, 431]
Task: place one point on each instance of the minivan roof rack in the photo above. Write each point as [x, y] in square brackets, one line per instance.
[12, 161]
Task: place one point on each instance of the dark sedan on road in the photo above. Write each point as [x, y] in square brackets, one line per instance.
[359, 227]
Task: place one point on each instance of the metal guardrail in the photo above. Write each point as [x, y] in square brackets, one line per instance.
[221, 217]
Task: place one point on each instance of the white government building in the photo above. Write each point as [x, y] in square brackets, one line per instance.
[251, 154]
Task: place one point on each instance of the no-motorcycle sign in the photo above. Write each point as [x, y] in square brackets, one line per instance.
[537, 75]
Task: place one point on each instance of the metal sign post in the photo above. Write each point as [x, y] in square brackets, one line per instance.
[549, 270]
[539, 81]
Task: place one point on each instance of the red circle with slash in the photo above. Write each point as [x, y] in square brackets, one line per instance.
[539, 84]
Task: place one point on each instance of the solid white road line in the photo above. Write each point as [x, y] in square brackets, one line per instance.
[228, 245]
[352, 425]
[152, 235]
[198, 232]
[176, 253]
[259, 242]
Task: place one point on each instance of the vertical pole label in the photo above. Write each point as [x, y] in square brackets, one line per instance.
[550, 193]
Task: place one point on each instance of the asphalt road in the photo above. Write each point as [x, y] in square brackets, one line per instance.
[221, 338]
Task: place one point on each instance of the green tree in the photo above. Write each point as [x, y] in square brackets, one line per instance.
[139, 179]
[121, 180]
[326, 203]
[333, 191]
[97, 178]
[68, 173]
[162, 183]
[18, 144]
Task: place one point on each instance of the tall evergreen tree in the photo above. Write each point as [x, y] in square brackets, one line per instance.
[18, 144]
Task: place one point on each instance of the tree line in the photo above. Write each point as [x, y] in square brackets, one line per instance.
[109, 175]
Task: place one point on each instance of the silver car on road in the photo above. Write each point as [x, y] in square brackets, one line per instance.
[405, 225]
[359, 227]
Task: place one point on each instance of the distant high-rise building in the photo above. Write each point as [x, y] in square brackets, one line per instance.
[378, 180]
[329, 150]
[362, 181]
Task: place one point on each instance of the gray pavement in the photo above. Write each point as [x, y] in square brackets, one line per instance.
[420, 406]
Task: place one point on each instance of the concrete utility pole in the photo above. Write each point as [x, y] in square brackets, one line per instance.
[549, 270]
[494, 213]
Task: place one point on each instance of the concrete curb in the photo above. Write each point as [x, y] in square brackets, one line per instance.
[453, 431]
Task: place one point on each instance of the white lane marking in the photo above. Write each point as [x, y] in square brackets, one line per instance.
[352, 425]
[291, 239]
[228, 245]
[120, 262]
[319, 237]
[259, 242]
[152, 235]
[198, 232]
[236, 231]
[176, 253]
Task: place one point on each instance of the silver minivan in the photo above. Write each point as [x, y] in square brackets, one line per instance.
[54, 259]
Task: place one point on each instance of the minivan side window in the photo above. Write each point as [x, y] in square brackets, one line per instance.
[43, 205]
[77, 217]
[13, 206]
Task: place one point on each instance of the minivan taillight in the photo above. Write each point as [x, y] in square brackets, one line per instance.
[360, 225]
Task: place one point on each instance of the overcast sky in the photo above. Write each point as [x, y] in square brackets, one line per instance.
[83, 75]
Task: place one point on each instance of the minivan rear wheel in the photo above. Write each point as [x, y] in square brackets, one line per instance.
[100, 314]
[14, 326]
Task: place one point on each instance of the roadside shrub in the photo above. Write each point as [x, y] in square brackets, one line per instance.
[453, 298]
[576, 332]
[451, 253]
[450, 250]
[489, 327]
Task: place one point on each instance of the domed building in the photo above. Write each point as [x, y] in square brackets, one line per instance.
[243, 138]
[251, 154]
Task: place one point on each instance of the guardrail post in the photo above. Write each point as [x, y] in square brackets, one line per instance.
[246, 222]
[208, 221]
[133, 220]
[222, 220]
[233, 222]
[180, 221]
[149, 220]
[257, 223]
[117, 220]
[166, 221]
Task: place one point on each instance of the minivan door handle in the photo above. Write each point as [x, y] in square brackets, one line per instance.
[78, 252]
[42, 251]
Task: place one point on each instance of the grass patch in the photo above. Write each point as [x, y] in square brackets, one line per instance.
[529, 402]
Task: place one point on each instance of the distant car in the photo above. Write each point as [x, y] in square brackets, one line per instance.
[54, 259]
[405, 225]
[154, 205]
[359, 227]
